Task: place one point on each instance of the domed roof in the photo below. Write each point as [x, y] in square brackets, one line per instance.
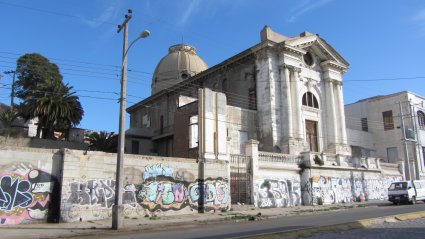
[181, 63]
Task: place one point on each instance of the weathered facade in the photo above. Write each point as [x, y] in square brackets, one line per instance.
[284, 92]
[391, 127]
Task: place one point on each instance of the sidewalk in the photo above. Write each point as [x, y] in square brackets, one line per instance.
[238, 213]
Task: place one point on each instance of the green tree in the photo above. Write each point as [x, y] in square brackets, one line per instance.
[7, 117]
[33, 69]
[103, 141]
[46, 97]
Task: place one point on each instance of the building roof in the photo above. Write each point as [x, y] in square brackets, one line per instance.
[179, 64]
[268, 39]
[378, 97]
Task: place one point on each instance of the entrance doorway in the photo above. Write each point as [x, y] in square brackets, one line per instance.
[311, 135]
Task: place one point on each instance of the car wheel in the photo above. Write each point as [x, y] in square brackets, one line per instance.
[413, 201]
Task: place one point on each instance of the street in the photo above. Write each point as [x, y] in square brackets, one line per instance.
[411, 229]
[251, 228]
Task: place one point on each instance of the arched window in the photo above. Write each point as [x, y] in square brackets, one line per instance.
[310, 100]
[421, 120]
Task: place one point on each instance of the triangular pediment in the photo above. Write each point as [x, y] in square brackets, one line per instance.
[318, 46]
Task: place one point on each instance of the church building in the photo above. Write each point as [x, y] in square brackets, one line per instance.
[284, 92]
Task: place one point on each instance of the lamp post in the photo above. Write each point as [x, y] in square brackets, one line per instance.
[118, 208]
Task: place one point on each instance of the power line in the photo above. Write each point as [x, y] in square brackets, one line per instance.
[52, 12]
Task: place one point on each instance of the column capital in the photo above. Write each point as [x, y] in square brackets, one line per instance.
[290, 67]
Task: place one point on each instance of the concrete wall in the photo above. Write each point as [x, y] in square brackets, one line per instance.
[29, 185]
[331, 185]
[34, 189]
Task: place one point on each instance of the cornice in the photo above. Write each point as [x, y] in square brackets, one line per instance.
[284, 48]
[330, 64]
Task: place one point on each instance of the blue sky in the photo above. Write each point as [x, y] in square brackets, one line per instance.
[382, 40]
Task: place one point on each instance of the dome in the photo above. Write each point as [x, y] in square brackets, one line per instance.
[181, 63]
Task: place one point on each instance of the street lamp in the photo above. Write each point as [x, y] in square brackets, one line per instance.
[118, 208]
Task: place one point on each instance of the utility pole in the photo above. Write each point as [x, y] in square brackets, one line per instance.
[118, 208]
[416, 141]
[12, 93]
[406, 151]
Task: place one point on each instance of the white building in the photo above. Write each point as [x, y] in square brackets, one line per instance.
[391, 127]
[285, 92]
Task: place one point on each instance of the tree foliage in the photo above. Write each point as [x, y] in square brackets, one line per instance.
[103, 141]
[45, 96]
[7, 117]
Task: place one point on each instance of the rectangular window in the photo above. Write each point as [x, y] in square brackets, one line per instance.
[392, 154]
[146, 122]
[388, 120]
[365, 127]
[193, 132]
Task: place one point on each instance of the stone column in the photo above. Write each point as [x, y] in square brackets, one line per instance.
[252, 151]
[296, 82]
[342, 130]
[331, 114]
[286, 103]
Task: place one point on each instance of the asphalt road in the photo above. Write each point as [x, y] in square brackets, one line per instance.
[250, 228]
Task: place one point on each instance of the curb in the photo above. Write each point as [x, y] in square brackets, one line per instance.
[364, 223]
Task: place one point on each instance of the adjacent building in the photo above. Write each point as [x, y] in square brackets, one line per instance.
[390, 127]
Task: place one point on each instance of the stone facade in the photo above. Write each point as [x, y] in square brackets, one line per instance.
[288, 92]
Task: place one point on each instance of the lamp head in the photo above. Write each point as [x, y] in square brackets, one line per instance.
[144, 34]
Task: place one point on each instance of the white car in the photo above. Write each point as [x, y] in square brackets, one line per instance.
[407, 191]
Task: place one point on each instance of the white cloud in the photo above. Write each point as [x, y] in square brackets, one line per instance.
[419, 19]
[191, 9]
[306, 6]
[106, 15]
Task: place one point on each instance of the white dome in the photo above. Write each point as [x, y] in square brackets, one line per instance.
[181, 63]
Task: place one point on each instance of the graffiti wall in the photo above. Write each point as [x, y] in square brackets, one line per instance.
[26, 194]
[277, 193]
[330, 190]
[376, 188]
[159, 188]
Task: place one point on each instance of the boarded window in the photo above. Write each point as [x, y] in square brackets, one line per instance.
[365, 126]
[392, 154]
[388, 120]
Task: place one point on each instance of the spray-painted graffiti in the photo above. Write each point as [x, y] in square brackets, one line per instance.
[278, 193]
[175, 195]
[156, 170]
[25, 195]
[159, 191]
[377, 188]
[328, 190]
[358, 189]
[92, 192]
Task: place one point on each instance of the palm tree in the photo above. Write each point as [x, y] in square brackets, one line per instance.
[55, 106]
[7, 117]
[103, 141]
